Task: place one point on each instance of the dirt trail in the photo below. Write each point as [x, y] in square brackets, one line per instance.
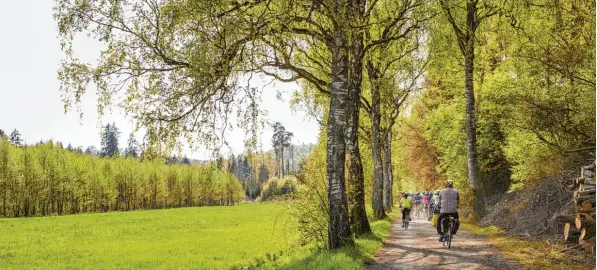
[419, 248]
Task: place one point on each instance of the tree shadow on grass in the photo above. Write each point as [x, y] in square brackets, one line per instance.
[345, 258]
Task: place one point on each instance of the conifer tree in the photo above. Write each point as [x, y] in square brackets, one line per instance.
[110, 141]
[15, 138]
[132, 149]
[263, 174]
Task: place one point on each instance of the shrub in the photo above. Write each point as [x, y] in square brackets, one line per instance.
[276, 188]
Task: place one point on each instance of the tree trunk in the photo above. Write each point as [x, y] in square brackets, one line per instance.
[339, 234]
[282, 157]
[356, 179]
[471, 124]
[387, 172]
[376, 144]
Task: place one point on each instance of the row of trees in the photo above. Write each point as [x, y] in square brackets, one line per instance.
[534, 97]
[110, 136]
[48, 180]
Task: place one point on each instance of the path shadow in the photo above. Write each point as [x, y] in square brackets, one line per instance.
[418, 248]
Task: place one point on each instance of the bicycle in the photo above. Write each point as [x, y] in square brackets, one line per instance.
[425, 211]
[405, 218]
[448, 234]
[418, 210]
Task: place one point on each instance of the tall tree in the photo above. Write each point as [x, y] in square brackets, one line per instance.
[465, 30]
[15, 138]
[291, 157]
[90, 150]
[355, 178]
[339, 229]
[179, 76]
[2, 134]
[263, 174]
[233, 165]
[393, 66]
[281, 139]
[186, 160]
[132, 149]
[109, 143]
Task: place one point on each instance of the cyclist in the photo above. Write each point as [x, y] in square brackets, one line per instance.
[417, 200]
[405, 205]
[448, 204]
[426, 201]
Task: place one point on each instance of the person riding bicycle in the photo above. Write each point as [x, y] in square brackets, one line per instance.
[405, 205]
[417, 200]
[427, 203]
[448, 204]
[433, 204]
[426, 197]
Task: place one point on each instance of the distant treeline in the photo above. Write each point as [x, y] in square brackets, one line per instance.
[48, 180]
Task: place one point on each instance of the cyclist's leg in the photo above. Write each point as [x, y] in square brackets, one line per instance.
[445, 222]
[439, 222]
[456, 223]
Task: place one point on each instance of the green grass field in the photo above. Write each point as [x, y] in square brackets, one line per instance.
[255, 235]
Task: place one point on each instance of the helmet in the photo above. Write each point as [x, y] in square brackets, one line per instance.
[449, 183]
[437, 192]
[405, 195]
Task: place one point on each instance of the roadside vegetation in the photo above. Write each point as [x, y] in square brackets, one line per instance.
[536, 253]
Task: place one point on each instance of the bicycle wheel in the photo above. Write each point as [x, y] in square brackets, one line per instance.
[406, 225]
[448, 239]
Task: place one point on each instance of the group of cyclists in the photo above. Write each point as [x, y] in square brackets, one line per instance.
[444, 203]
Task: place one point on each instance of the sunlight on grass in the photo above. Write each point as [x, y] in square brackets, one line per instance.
[184, 238]
[246, 236]
[345, 258]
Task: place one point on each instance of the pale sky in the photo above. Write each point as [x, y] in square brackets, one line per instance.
[29, 88]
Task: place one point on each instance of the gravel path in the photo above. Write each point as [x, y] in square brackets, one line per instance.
[419, 248]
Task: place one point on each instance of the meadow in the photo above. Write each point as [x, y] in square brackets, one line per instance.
[249, 235]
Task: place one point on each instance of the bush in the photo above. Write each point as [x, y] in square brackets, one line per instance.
[310, 205]
[276, 188]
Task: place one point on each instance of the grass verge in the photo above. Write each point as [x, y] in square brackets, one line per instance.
[530, 253]
[353, 257]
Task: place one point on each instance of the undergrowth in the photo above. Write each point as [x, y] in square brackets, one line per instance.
[536, 253]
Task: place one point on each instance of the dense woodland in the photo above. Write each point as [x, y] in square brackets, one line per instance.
[496, 95]
[48, 179]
